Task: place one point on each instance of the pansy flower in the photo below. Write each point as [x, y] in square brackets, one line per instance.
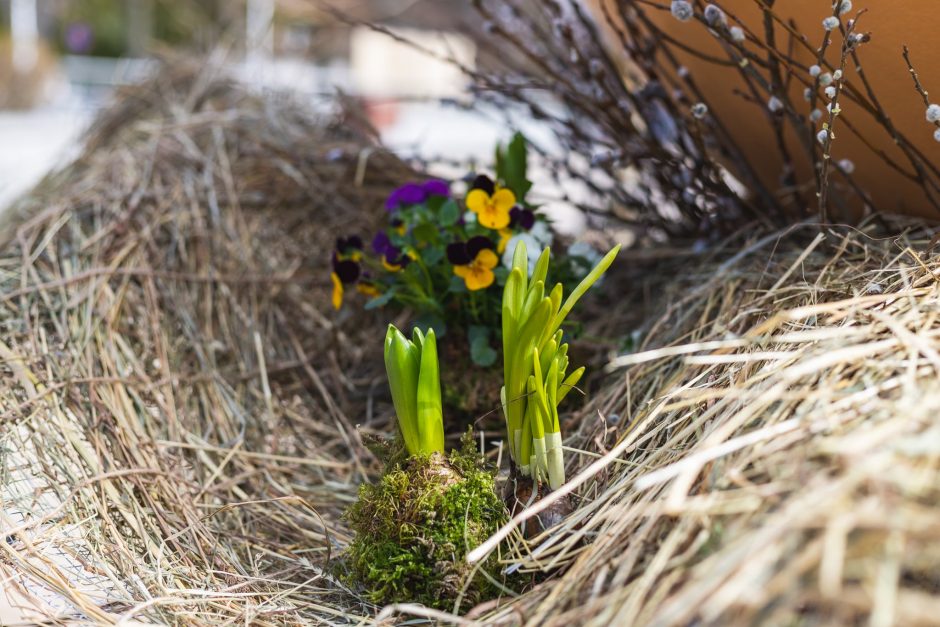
[392, 258]
[407, 194]
[490, 203]
[474, 261]
[436, 187]
[416, 193]
[346, 270]
[349, 247]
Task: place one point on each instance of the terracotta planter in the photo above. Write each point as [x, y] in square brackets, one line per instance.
[891, 25]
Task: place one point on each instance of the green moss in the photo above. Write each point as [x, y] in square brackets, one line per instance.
[415, 526]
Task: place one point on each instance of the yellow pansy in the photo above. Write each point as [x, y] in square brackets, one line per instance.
[492, 210]
[478, 274]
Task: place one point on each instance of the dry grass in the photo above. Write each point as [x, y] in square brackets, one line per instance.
[179, 404]
[777, 462]
[178, 409]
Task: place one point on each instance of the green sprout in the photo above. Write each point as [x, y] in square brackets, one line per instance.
[535, 364]
[414, 380]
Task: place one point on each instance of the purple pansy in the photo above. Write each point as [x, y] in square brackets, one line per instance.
[407, 194]
[436, 187]
[381, 243]
[391, 255]
[394, 257]
[416, 193]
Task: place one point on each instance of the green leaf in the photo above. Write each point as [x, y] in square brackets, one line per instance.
[457, 285]
[512, 167]
[449, 213]
[417, 337]
[478, 332]
[514, 292]
[432, 255]
[569, 384]
[541, 267]
[434, 203]
[402, 362]
[430, 411]
[481, 352]
[520, 261]
[426, 233]
[584, 285]
[541, 399]
[382, 299]
[533, 298]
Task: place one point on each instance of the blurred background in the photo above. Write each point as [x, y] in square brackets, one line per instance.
[60, 61]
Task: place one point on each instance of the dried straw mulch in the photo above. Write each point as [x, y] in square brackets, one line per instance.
[777, 457]
[179, 404]
[178, 440]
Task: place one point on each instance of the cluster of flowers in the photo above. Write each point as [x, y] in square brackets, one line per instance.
[493, 221]
[445, 258]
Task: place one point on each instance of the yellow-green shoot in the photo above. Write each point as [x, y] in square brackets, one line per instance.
[535, 364]
[415, 383]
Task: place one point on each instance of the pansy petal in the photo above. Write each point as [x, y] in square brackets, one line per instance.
[457, 254]
[337, 291]
[504, 200]
[526, 219]
[493, 218]
[483, 182]
[381, 243]
[347, 271]
[504, 236]
[478, 243]
[367, 289]
[487, 259]
[477, 200]
[462, 271]
[436, 187]
[413, 194]
[514, 216]
[479, 279]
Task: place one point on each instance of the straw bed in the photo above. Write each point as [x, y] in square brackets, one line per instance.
[179, 405]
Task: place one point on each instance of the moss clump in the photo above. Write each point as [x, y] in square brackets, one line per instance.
[415, 526]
